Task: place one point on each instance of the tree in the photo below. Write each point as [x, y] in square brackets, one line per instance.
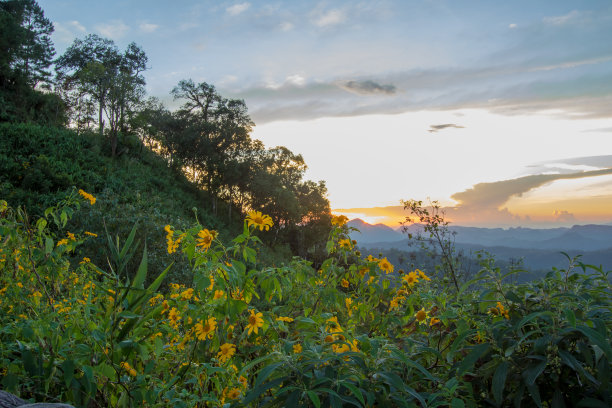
[26, 52]
[437, 239]
[94, 70]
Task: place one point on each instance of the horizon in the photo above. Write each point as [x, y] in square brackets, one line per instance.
[499, 111]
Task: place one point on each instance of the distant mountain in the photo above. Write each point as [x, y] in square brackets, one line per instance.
[369, 233]
[579, 237]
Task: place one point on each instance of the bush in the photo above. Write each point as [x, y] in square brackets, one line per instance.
[355, 332]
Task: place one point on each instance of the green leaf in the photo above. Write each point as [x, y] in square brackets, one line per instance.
[355, 391]
[457, 403]
[68, 369]
[142, 271]
[314, 398]
[532, 373]
[597, 339]
[469, 361]
[499, 381]
[457, 343]
[570, 316]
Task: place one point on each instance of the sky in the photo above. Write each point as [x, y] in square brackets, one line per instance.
[501, 111]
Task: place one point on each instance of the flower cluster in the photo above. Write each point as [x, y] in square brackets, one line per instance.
[87, 196]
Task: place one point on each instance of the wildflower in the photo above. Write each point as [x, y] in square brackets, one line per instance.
[218, 294]
[70, 236]
[260, 220]
[385, 265]
[87, 196]
[284, 319]
[502, 310]
[226, 351]
[410, 279]
[370, 258]
[339, 220]
[206, 329]
[434, 321]
[85, 260]
[233, 393]
[174, 316]
[212, 283]
[421, 316]
[297, 348]
[349, 305]
[394, 304]
[205, 238]
[345, 244]
[422, 275]
[341, 348]
[243, 381]
[354, 345]
[91, 234]
[255, 321]
[187, 294]
[20, 285]
[238, 295]
[126, 366]
[153, 301]
[62, 242]
[333, 325]
[344, 283]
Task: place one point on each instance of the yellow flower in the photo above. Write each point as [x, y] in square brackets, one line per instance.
[62, 242]
[344, 283]
[410, 279]
[260, 220]
[394, 304]
[502, 310]
[233, 393]
[126, 366]
[421, 316]
[174, 316]
[370, 258]
[422, 275]
[333, 325]
[212, 283]
[345, 244]
[187, 294]
[218, 294]
[87, 196]
[243, 381]
[434, 321]
[205, 238]
[20, 284]
[385, 265]
[255, 321]
[70, 236]
[207, 329]
[339, 220]
[91, 234]
[354, 345]
[297, 348]
[85, 261]
[226, 351]
[284, 319]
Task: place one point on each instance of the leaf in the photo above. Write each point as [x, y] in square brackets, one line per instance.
[597, 339]
[355, 391]
[570, 316]
[457, 343]
[265, 372]
[314, 398]
[469, 361]
[532, 373]
[141, 275]
[68, 369]
[499, 381]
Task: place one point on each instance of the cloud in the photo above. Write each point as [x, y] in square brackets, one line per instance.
[367, 87]
[563, 216]
[329, 18]
[513, 25]
[238, 8]
[561, 20]
[606, 130]
[437, 128]
[67, 31]
[286, 26]
[494, 195]
[148, 27]
[114, 29]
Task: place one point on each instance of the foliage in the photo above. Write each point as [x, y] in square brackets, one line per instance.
[354, 332]
[93, 72]
[26, 53]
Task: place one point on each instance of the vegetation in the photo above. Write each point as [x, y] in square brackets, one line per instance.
[157, 258]
[354, 332]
